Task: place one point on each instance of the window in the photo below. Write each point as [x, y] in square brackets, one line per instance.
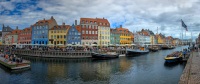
[96, 32]
[92, 32]
[86, 32]
[89, 32]
[83, 21]
[82, 31]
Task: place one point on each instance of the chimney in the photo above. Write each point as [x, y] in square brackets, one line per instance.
[75, 22]
[120, 26]
[44, 18]
[17, 28]
[103, 17]
[52, 17]
[63, 24]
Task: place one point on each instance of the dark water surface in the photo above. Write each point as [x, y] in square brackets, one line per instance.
[144, 69]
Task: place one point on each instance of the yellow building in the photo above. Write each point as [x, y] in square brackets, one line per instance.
[104, 35]
[125, 36]
[58, 34]
[160, 38]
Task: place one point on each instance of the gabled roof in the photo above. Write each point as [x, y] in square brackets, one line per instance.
[60, 27]
[78, 27]
[28, 29]
[49, 21]
[99, 21]
[6, 29]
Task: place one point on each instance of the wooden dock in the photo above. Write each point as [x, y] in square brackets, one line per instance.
[14, 65]
[191, 73]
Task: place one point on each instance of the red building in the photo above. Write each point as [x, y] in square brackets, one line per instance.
[25, 36]
[89, 29]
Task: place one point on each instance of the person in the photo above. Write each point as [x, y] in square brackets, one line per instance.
[184, 53]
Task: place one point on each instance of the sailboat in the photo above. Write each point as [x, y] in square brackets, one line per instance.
[104, 54]
[139, 50]
[153, 48]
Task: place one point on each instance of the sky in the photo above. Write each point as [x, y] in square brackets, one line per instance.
[162, 16]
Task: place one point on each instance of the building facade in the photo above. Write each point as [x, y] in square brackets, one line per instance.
[25, 36]
[160, 38]
[5, 30]
[103, 31]
[74, 35]
[114, 37]
[40, 31]
[12, 37]
[169, 40]
[58, 35]
[141, 39]
[125, 36]
[89, 31]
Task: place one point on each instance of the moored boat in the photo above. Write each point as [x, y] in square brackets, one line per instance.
[106, 55]
[14, 64]
[174, 57]
[135, 52]
[153, 48]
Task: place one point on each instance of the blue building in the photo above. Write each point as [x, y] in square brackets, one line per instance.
[40, 30]
[74, 35]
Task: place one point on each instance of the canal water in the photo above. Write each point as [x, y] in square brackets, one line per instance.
[144, 69]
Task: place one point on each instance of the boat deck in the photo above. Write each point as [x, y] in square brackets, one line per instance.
[14, 65]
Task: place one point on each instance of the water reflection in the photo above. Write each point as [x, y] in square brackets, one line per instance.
[145, 69]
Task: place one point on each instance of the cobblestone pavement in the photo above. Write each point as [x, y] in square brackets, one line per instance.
[191, 73]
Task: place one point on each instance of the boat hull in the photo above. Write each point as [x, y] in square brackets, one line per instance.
[104, 56]
[135, 53]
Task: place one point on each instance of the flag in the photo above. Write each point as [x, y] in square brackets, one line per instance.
[183, 25]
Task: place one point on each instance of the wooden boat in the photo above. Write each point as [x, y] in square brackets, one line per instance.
[165, 47]
[153, 48]
[14, 65]
[106, 55]
[135, 52]
[174, 57]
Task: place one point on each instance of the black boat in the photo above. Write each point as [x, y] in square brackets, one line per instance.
[165, 47]
[107, 55]
[135, 52]
[153, 49]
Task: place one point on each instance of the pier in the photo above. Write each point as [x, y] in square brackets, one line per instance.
[59, 54]
[191, 74]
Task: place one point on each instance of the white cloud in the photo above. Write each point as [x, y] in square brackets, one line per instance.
[132, 14]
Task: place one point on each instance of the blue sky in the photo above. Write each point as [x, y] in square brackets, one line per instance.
[132, 14]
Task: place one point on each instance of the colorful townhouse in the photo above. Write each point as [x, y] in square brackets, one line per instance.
[40, 31]
[74, 35]
[12, 37]
[169, 40]
[176, 41]
[125, 36]
[114, 37]
[5, 30]
[58, 34]
[160, 38]
[141, 39]
[89, 31]
[103, 31]
[25, 36]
